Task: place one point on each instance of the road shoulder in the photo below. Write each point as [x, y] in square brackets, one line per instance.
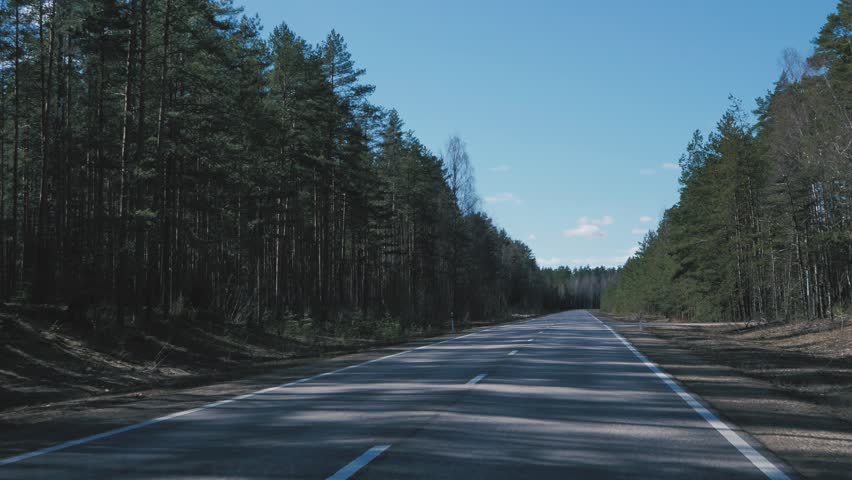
[805, 435]
[31, 428]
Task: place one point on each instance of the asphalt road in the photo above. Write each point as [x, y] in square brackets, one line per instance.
[559, 396]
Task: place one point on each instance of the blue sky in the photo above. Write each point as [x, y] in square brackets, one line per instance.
[574, 112]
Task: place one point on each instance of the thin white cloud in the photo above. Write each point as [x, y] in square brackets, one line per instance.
[532, 237]
[639, 231]
[611, 261]
[670, 166]
[586, 230]
[623, 258]
[605, 220]
[549, 262]
[585, 261]
[503, 198]
[589, 227]
[646, 219]
[599, 261]
[647, 171]
[500, 168]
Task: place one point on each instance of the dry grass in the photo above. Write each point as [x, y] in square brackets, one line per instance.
[45, 360]
[811, 360]
[822, 338]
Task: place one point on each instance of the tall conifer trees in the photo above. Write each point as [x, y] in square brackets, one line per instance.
[763, 228]
[159, 157]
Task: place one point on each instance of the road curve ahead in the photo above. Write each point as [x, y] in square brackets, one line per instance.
[560, 397]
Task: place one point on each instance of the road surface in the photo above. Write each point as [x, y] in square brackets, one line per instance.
[560, 396]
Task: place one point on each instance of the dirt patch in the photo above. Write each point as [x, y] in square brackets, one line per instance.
[48, 360]
[27, 428]
[829, 339]
[811, 360]
[46, 357]
[786, 385]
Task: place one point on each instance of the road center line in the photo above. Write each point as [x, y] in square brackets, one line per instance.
[513, 352]
[359, 463]
[756, 458]
[477, 379]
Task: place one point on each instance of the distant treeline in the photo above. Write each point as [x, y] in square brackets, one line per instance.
[763, 228]
[162, 156]
[565, 288]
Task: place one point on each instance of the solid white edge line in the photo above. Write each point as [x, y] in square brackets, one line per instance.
[359, 463]
[110, 433]
[477, 379]
[756, 458]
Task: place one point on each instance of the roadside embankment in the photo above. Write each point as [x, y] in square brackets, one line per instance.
[47, 357]
[787, 386]
[30, 427]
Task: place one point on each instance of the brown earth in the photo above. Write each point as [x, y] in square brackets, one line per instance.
[47, 357]
[30, 427]
[811, 360]
[787, 385]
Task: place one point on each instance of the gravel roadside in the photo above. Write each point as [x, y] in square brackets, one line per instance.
[811, 438]
[30, 428]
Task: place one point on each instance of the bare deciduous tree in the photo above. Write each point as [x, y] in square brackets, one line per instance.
[460, 175]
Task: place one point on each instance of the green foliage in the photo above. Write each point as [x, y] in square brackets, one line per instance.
[565, 288]
[762, 227]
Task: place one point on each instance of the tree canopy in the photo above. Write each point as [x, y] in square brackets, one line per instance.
[159, 156]
[763, 227]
